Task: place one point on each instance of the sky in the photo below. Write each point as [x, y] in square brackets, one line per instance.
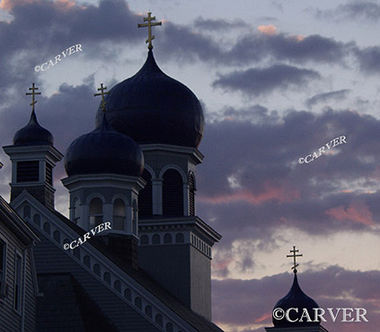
[277, 81]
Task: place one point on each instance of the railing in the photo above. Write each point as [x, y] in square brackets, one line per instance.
[109, 274]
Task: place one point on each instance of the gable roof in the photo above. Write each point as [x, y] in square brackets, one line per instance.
[16, 224]
[194, 320]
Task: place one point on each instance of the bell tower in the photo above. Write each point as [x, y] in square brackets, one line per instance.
[33, 158]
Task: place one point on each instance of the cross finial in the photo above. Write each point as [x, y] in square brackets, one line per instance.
[102, 93]
[294, 256]
[33, 94]
[150, 24]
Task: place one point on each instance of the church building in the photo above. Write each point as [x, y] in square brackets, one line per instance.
[151, 269]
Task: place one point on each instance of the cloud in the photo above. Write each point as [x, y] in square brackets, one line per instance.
[258, 81]
[269, 29]
[327, 96]
[369, 59]
[250, 302]
[218, 24]
[360, 10]
[357, 212]
[274, 190]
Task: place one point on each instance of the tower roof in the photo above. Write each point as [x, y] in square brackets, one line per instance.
[297, 299]
[33, 134]
[152, 107]
[104, 150]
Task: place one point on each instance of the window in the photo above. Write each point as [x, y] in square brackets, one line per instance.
[144, 239]
[168, 238]
[156, 239]
[179, 238]
[192, 189]
[76, 210]
[49, 174]
[27, 171]
[172, 194]
[145, 196]
[96, 212]
[3, 265]
[134, 217]
[18, 283]
[118, 214]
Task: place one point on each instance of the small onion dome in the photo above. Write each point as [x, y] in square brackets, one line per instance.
[296, 298]
[104, 150]
[152, 107]
[33, 134]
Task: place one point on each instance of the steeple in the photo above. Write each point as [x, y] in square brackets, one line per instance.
[299, 306]
[33, 158]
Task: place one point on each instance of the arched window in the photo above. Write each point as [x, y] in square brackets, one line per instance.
[76, 210]
[144, 239]
[156, 239]
[37, 219]
[118, 214]
[145, 196]
[96, 212]
[107, 277]
[27, 211]
[128, 294]
[179, 238]
[172, 194]
[148, 311]
[117, 285]
[57, 236]
[138, 302]
[46, 228]
[134, 217]
[192, 189]
[168, 238]
[159, 320]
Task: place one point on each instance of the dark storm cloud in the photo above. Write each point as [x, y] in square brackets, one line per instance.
[270, 189]
[360, 9]
[258, 81]
[327, 96]
[251, 301]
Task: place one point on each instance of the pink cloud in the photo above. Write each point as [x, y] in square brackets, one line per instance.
[263, 318]
[267, 29]
[269, 193]
[357, 212]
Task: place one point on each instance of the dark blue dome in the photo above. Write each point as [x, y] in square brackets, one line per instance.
[152, 107]
[104, 150]
[33, 134]
[296, 298]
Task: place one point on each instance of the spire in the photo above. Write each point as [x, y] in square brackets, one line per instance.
[150, 24]
[33, 94]
[294, 256]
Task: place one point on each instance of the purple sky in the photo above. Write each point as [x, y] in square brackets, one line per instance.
[277, 80]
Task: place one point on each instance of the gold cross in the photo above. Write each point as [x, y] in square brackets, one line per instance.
[33, 94]
[1, 165]
[149, 19]
[294, 256]
[102, 93]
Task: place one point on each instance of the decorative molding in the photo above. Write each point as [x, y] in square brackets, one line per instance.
[103, 269]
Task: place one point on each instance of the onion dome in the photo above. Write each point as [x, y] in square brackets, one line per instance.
[152, 107]
[296, 298]
[104, 150]
[33, 134]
